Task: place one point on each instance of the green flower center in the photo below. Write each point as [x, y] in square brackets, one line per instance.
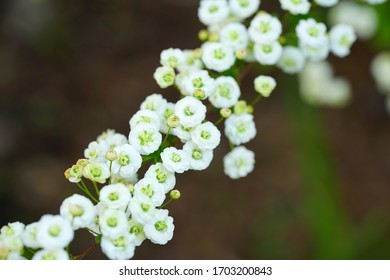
[8, 231]
[213, 9]
[313, 31]
[175, 157]
[264, 27]
[205, 134]
[188, 112]
[267, 49]
[75, 210]
[119, 242]
[197, 154]
[135, 230]
[219, 53]
[224, 91]
[145, 207]
[123, 159]
[161, 225]
[145, 137]
[197, 82]
[112, 222]
[244, 3]
[161, 177]
[55, 230]
[113, 196]
[147, 190]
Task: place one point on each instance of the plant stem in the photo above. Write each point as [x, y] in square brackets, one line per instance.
[86, 252]
[96, 188]
[165, 204]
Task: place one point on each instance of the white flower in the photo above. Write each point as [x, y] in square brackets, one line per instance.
[160, 229]
[145, 116]
[51, 254]
[75, 173]
[191, 62]
[14, 229]
[142, 208]
[213, 11]
[239, 162]
[234, 35]
[268, 54]
[190, 111]
[311, 32]
[226, 94]
[164, 76]
[326, 3]
[78, 210]
[240, 129]
[292, 60]
[152, 189]
[113, 223]
[96, 151]
[341, 38]
[169, 110]
[29, 236]
[264, 85]
[171, 57]
[128, 161]
[54, 232]
[206, 136]
[363, 18]
[111, 139]
[380, 70]
[315, 53]
[244, 8]
[13, 244]
[200, 159]
[183, 133]
[198, 80]
[97, 172]
[175, 160]
[318, 87]
[137, 230]
[119, 248]
[296, 7]
[265, 29]
[115, 196]
[218, 56]
[163, 176]
[156, 103]
[16, 256]
[116, 178]
[145, 138]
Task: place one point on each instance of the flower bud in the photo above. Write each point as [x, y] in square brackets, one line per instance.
[225, 112]
[175, 194]
[264, 85]
[82, 162]
[198, 53]
[173, 121]
[241, 54]
[203, 35]
[199, 94]
[282, 40]
[240, 107]
[249, 109]
[111, 155]
[67, 174]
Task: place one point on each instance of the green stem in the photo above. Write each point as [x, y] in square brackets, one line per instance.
[96, 188]
[219, 121]
[110, 172]
[166, 137]
[254, 101]
[84, 188]
[165, 204]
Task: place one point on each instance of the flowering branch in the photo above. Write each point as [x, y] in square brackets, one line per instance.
[170, 138]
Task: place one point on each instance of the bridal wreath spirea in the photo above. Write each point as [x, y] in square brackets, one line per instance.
[124, 204]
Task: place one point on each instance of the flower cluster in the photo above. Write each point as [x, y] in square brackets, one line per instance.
[122, 209]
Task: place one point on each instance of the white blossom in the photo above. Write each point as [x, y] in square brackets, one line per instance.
[113, 223]
[239, 162]
[213, 11]
[295, 7]
[190, 111]
[226, 94]
[240, 129]
[292, 60]
[51, 254]
[96, 151]
[29, 236]
[341, 38]
[115, 196]
[142, 208]
[200, 159]
[145, 138]
[191, 62]
[315, 53]
[160, 229]
[111, 139]
[244, 8]
[311, 33]
[119, 248]
[171, 57]
[162, 175]
[156, 103]
[234, 35]
[265, 29]
[175, 160]
[78, 210]
[152, 189]
[128, 161]
[218, 56]
[54, 232]
[198, 80]
[137, 230]
[14, 229]
[97, 172]
[264, 85]
[145, 116]
[268, 54]
[164, 76]
[380, 70]
[206, 136]
[183, 133]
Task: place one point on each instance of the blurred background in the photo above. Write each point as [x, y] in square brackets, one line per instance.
[72, 69]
